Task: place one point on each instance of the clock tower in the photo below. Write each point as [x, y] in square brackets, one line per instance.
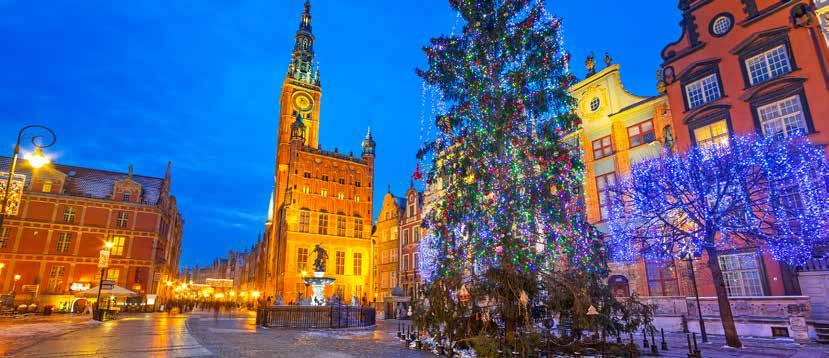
[319, 196]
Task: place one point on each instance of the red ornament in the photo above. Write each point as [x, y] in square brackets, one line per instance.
[418, 174]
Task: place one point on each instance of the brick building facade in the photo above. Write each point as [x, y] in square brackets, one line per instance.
[320, 197]
[66, 215]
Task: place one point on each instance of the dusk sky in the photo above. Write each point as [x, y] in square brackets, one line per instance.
[197, 82]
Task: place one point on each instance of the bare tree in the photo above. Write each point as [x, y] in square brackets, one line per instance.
[763, 193]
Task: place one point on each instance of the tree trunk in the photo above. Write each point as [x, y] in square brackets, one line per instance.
[727, 318]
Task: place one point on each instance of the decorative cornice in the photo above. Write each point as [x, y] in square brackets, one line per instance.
[775, 32]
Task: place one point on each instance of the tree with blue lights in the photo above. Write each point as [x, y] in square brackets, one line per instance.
[507, 214]
[764, 193]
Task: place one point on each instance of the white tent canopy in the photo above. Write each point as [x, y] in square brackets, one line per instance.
[116, 291]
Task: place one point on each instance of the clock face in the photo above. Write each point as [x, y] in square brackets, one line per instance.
[303, 102]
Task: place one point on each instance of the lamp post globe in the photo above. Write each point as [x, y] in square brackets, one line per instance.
[36, 160]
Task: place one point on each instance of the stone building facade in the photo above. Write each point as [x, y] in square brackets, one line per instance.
[65, 216]
[387, 246]
[320, 197]
[410, 234]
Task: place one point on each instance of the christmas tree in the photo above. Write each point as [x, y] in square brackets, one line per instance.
[506, 227]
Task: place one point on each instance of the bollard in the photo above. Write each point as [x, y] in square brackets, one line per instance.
[644, 338]
[654, 350]
[399, 331]
[690, 351]
[664, 343]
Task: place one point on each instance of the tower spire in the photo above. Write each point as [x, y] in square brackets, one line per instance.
[302, 60]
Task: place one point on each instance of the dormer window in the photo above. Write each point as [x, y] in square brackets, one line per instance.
[768, 64]
[125, 197]
[702, 91]
[47, 186]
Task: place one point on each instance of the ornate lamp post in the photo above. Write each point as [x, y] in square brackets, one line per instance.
[689, 256]
[103, 263]
[36, 160]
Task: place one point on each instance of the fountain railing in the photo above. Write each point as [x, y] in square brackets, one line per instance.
[317, 316]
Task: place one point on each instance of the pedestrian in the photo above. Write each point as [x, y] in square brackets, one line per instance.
[215, 311]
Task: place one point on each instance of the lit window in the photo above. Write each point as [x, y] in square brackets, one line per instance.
[741, 273]
[306, 190]
[304, 220]
[324, 178]
[768, 65]
[323, 192]
[4, 237]
[782, 118]
[714, 134]
[113, 274]
[721, 25]
[340, 263]
[301, 259]
[117, 245]
[358, 263]
[122, 220]
[702, 91]
[69, 214]
[602, 147]
[47, 186]
[357, 198]
[64, 241]
[56, 279]
[340, 196]
[323, 224]
[340, 225]
[358, 227]
[603, 184]
[641, 133]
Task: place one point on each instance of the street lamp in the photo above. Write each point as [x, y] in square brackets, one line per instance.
[36, 160]
[103, 263]
[689, 256]
[14, 286]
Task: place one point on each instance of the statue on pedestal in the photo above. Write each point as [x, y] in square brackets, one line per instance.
[322, 258]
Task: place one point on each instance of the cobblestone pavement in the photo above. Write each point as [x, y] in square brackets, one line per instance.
[133, 335]
[752, 347]
[22, 331]
[238, 336]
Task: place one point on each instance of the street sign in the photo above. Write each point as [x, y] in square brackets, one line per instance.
[103, 259]
[107, 285]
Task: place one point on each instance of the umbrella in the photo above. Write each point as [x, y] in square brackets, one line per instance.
[116, 291]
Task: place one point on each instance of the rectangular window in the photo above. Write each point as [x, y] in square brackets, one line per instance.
[47, 186]
[323, 192]
[405, 263]
[69, 214]
[741, 273]
[304, 221]
[358, 263]
[602, 147]
[306, 174]
[4, 237]
[702, 91]
[782, 118]
[662, 279]
[768, 65]
[341, 181]
[340, 196]
[411, 210]
[641, 133]
[384, 257]
[64, 241]
[301, 259]
[405, 236]
[384, 280]
[113, 274]
[603, 184]
[714, 134]
[122, 220]
[415, 263]
[358, 227]
[323, 224]
[416, 233]
[117, 245]
[306, 189]
[340, 225]
[357, 198]
[340, 263]
[56, 279]
[357, 184]
[324, 178]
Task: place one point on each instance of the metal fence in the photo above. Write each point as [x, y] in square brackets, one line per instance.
[316, 317]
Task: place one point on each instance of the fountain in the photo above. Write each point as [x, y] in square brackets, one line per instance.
[319, 281]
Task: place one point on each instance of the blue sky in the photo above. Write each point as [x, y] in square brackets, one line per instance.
[196, 82]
